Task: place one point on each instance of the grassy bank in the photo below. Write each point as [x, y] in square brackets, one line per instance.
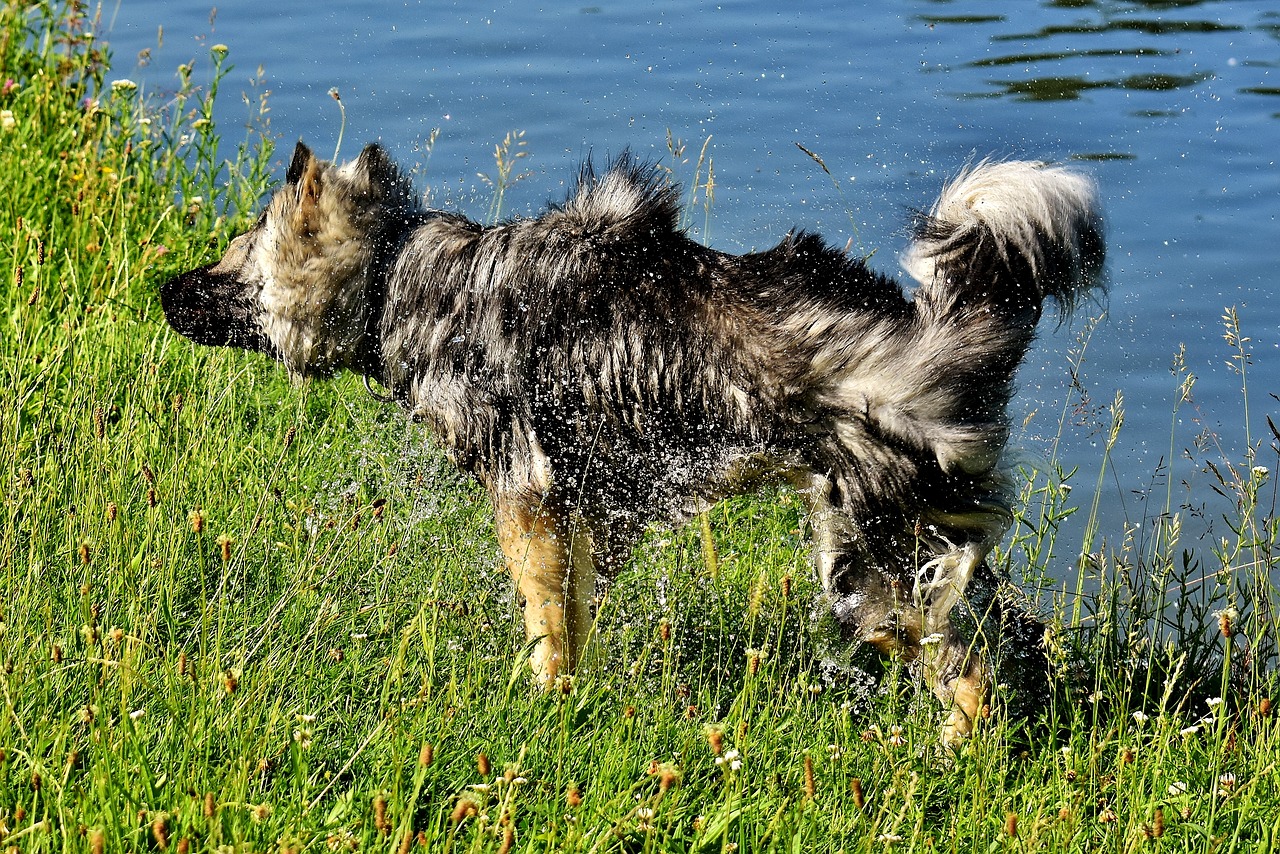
[241, 615]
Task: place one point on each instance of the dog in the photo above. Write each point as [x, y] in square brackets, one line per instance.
[598, 371]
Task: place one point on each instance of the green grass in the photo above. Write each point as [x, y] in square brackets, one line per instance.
[241, 615]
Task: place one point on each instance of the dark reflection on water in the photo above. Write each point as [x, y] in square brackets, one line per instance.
[1070, 88]
[1095, 51]
[1021, 58]
[1149, 27]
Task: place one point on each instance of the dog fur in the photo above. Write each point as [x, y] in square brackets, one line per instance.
[598, 371]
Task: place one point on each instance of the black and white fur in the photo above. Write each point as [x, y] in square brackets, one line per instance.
[597, 371]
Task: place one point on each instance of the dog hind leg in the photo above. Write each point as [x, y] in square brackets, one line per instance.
[548, 555]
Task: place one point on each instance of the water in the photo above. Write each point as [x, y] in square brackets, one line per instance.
[1174, 105]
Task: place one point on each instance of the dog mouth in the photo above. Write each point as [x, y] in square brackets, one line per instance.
[212, 308]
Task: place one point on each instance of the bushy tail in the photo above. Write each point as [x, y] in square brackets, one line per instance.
[1008, 234]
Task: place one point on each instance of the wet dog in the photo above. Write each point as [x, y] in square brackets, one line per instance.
[597, 370]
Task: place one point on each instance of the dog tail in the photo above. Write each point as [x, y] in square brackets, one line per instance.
[1008, 235]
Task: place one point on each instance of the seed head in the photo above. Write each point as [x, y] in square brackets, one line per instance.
[810, 786]
[97, 842]
[573, 796]
[482, 764]
[1264, 707]
[230, 682]
[99, 422]
[1157, 824]
[225, 542]
[86, 554]
[197, 521]
[859, 797]
[210, 805]
[380, 815]
[1011, 825]
[463, 810]
[426, 754]
[160, 833]
[152, 501]
[785, 586]
[715, 737]
[56, 653]
[113, 511]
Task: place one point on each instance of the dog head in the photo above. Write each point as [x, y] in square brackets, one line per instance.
[299, 285]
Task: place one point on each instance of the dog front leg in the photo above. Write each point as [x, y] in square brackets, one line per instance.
[958, 675]
[549, 559]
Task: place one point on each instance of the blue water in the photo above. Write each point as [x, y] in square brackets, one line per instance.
[1174, 105]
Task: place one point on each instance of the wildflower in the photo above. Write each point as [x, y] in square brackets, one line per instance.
[1260, 473]
[9, 85]
[1108, 816]
[1226, 783]
[888, 838]
[1177, 787]
[302, 735]
[7, 121]
[1189, 731]
[895, 736]
[1213, 702]
[219, 50]
[1141, 718]
[137, 714]
[732, 758]
[124, 84]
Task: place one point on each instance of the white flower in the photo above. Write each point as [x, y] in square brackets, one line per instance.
[732, 758]
[1213, 702]
[7, 121]
[124, 84]
[1141, 717]
[1260, 473]
[137, 714]
[1177, 787]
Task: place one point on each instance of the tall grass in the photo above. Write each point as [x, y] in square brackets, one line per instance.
[240, 615]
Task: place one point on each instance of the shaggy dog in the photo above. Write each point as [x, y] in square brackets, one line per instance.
[597, 371]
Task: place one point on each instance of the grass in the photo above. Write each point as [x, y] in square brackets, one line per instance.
[240, 615]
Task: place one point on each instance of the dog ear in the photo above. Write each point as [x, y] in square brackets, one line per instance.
[378, 167]
[301, 157]
[304, 174]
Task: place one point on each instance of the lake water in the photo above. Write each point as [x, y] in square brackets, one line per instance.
[1174, 105]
